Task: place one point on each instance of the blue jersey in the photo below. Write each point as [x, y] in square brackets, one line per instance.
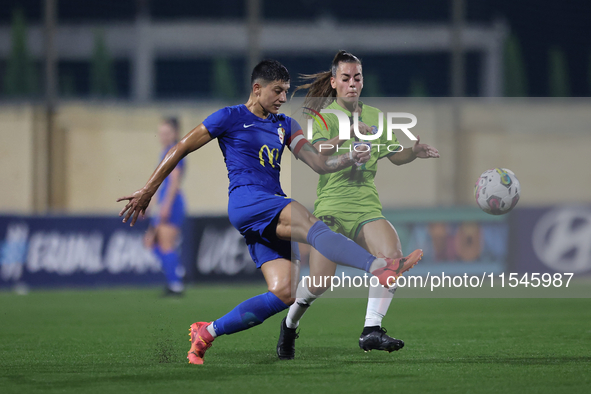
[177, 209]
[253, 146]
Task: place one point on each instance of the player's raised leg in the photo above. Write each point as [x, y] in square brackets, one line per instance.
[252, 312]
[378, 237]
[296, 223]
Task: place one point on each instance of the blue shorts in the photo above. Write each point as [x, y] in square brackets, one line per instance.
[254, 211]
[177, 213]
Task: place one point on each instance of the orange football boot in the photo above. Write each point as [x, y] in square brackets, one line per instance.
[396, 267]
[201, 340]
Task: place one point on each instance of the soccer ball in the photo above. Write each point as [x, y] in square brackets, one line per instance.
[497, 191]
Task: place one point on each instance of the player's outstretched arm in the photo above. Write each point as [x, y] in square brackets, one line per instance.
[139, 201]
[422, 151]
[327, 164]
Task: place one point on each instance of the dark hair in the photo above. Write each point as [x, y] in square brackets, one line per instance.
[173, 122]
[269, 70]
[320, 85]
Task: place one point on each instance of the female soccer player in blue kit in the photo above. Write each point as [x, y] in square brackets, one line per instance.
[163, 235]
[252, 138]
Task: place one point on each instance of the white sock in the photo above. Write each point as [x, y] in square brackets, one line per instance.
[377, 263]
[377, 304]
[211, 330]
[304, 298]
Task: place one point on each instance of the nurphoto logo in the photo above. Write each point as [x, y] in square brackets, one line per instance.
[365, 139]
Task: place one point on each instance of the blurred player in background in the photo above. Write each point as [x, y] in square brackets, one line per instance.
[252, 138]
[163, 235]
[348, 200]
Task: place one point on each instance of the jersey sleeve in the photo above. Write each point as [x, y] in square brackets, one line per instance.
[295, 137]
[324, 128]
[217, 122]
[390, 146]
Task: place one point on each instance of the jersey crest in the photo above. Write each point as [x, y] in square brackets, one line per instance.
[281, 133]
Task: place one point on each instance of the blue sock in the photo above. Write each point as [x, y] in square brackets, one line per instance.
[249, 313]
[170, 262]
[338, 248]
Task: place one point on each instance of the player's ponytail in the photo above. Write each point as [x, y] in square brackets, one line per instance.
[320, 91]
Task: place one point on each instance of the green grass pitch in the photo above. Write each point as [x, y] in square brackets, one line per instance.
[133, 341]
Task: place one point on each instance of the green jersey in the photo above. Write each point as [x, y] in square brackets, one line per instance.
[352, 189]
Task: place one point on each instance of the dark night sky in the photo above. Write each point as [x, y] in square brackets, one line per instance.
[538, 24]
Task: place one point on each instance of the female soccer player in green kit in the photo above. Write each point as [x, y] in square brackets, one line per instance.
[348, 201]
